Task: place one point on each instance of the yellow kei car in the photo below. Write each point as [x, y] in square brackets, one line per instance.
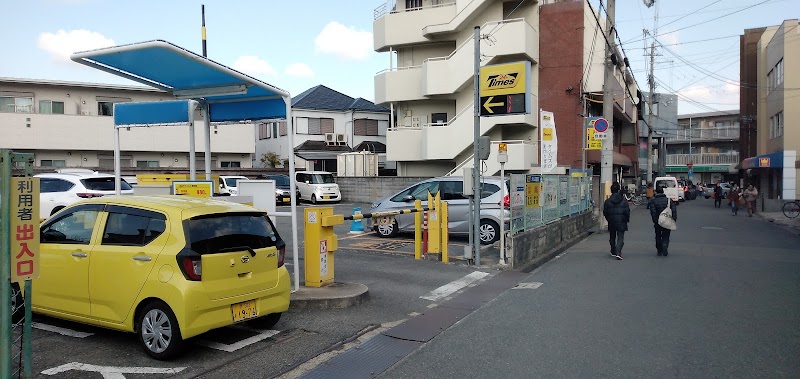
[165, 267]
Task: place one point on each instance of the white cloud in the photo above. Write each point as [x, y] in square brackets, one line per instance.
[253, 66]
[300, 70]
[63, 43]
[720, 96]
[344, 42]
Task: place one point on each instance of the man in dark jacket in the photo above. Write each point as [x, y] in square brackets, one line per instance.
[656, 205]
[718, 196]
[617, 213]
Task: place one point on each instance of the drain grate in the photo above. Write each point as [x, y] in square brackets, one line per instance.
[365, 361]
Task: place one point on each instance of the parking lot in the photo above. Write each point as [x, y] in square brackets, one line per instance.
[400, 287]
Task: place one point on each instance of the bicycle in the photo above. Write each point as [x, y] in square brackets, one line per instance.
[791, 209]
[635, 199]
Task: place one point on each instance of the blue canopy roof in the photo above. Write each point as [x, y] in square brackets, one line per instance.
[232, 96]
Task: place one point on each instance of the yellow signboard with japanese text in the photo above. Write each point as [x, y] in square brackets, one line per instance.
[199, 188]
[24, 229]
[533, 191]
[504, 79]
[591, 142]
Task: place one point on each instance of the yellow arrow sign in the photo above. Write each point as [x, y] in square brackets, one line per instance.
[489, 104]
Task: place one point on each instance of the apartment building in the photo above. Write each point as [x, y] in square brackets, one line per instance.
[429, 82]
[665, 122]
[775, 168]
[704, 147]
[70, 124]
[327, 123]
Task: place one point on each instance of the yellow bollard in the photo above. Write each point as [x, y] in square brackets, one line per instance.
[418, 230]
[445, 231]
[434, 233]
[320, 243]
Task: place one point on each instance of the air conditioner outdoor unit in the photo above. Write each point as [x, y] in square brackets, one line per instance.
[330, 138]
[341, 139]
[86, 113]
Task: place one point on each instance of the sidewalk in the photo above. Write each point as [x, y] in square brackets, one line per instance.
[778, 218]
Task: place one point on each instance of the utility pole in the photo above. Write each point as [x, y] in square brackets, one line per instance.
[607, 154]
[203, 29]
[476, 163]
[652, 81]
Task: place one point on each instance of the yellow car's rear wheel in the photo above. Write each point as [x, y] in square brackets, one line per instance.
[158, 331]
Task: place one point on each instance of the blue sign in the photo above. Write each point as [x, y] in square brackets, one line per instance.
[600, 125]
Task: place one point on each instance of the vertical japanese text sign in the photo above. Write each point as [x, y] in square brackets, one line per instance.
[549, 141]
[24, 229]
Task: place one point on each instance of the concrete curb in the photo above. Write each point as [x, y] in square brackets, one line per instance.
[335, 296]
[544, 258]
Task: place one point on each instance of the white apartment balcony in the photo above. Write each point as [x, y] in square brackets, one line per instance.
[395, 26]
[465, 9]
[703, 135]
[446, 141]
[521, 157]
[702, 159]
[400, 84]
[75, 132]
[446, 75]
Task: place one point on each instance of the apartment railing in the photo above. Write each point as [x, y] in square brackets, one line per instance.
[469, 41]
[703, 133]
[391, 7]
[699, 159]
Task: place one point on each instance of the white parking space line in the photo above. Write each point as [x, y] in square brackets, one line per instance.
[452, 287]
[111, 372]
[61, 331]
[238, 345]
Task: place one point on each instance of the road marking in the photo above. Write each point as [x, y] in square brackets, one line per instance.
[61, 331]
[111, 372]
[452, 287]
[527, 286]
[238, 345]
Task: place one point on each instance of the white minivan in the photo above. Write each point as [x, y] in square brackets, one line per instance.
[229, 184]
[671, 188]
[317, 186]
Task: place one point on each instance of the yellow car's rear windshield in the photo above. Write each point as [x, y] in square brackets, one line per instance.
[211, 234]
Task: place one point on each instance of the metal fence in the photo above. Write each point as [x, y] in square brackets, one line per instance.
[538, 200]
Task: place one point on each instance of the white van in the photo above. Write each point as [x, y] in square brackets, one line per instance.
[671, 188]
[228, 184]
[317, 186]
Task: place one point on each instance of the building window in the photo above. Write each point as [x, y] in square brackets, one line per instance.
[16, 104]
[439, 118]
[776, 125]
[51, 107]
[105, 108]
[53, 163]
[262, 131]
[320, 125]
[234, 164]
[412, 5]
[284, 129]
[146, 164]
[365, 127]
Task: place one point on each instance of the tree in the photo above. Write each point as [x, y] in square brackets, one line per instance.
[270, 159]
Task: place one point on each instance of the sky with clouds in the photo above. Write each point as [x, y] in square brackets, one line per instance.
[297, 45]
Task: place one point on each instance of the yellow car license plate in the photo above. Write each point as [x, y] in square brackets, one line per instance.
[244, 311]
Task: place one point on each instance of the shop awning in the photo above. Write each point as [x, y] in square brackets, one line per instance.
[593, 156]
[771, 160]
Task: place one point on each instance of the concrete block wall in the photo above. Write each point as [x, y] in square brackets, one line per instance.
[369, 189]
[533, 245]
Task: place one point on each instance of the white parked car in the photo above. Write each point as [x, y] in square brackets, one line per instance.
[229, 184]
[64, 187]
[317, 186]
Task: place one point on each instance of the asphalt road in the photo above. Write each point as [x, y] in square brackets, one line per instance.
[724, 303]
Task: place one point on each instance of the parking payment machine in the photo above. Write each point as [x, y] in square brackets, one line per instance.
[320, 243]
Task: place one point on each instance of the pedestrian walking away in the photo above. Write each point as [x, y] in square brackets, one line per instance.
[618, 214]
[656, 205]
[735, 200]
[718, 196]
[750, 196]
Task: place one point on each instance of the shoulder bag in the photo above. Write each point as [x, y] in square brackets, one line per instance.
[665, 219]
